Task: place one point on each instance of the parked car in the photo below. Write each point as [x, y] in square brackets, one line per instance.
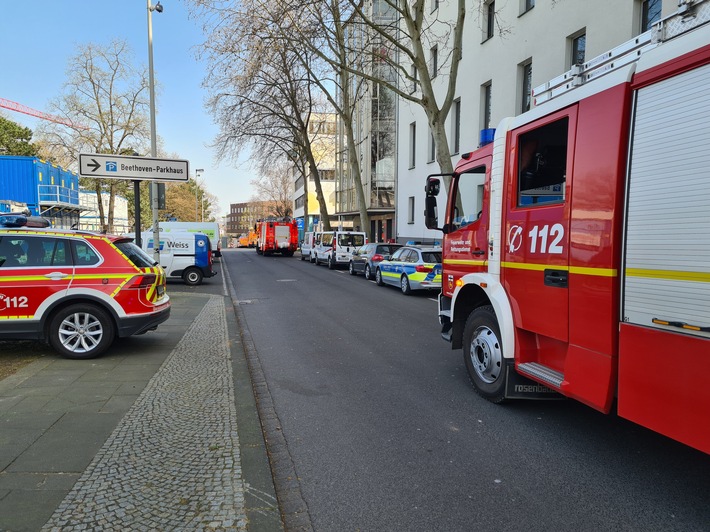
[366, 258]
[411, 268]
[76, 290]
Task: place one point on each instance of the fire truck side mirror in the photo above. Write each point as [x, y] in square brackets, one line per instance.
[431, 218]
[433, 185]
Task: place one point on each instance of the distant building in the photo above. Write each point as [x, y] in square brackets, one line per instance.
[243, 216]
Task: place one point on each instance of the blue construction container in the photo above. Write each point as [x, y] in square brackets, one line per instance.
[36, 183]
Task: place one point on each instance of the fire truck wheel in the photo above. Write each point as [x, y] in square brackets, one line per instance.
[81, 331]
[483, 354]
[192, 276]
[378, 278]
[404, 284]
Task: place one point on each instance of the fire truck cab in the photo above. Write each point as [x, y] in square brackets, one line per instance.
[576, 257]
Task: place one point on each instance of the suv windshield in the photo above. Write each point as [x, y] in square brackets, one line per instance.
[135, 254]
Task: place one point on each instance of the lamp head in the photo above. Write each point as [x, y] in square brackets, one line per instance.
[158, 7]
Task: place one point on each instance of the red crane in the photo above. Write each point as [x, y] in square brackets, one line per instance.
[14, 106]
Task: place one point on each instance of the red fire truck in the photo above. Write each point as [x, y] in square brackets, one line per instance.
[276, 235]
[576, 253]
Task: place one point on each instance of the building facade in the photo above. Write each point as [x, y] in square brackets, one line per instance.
[509, 48]
[374, 129]
[322, 130]
[242, 217]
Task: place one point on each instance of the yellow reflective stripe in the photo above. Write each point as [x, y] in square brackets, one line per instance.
[579, 270]
[4, 279]
[670, 275]
[463, 262]
[103, 276]
[599, 272]
[19, 317]
[532, 266]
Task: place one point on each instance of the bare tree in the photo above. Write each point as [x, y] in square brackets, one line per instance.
[275, 186]
[106, 98]
[261, 95]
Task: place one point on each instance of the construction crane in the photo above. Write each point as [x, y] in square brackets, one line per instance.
[14, 106]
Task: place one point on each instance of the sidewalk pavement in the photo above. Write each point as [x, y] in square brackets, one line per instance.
[160, 433]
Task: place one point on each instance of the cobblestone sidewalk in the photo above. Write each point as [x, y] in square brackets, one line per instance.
[173, 461]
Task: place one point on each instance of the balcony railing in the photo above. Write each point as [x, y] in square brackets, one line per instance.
[55, 194]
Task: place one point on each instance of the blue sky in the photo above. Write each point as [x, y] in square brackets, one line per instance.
[37, 38]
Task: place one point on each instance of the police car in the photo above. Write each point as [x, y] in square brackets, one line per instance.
[411, 268]
[76, 290]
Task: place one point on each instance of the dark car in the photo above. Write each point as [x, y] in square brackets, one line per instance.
[366, 258]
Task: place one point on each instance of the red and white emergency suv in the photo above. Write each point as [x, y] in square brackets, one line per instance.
[276, 235]
[74, 289]
[576, 251]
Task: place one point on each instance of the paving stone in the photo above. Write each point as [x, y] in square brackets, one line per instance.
[173, 461]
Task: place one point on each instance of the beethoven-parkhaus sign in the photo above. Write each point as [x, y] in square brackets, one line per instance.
[133, 168]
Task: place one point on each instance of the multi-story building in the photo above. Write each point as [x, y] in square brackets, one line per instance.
[509, 47]
[243, 216]
[374, 130]
[322, 131]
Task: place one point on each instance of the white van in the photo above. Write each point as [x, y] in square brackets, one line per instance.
[183, 255]
[211, 229]
[322, 247]
[335, 248]
[307, 245]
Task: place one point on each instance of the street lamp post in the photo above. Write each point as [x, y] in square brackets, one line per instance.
[153, 141]
[198, 171]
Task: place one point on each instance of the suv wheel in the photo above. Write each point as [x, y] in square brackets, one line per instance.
[81, 331]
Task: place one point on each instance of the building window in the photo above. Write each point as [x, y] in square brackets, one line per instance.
[486, 95]
[526, 94]
[579, 47]
[415, 79]
[526, 5]
[490, 19]
[410, 210]
[434, 5]
[412, 144]
[432, 148]
[434, 61]
[456, 126]
[650, 13]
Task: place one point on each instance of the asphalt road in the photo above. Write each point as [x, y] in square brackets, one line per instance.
[386, 433]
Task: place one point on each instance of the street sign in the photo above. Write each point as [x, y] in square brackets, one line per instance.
[135, 168]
